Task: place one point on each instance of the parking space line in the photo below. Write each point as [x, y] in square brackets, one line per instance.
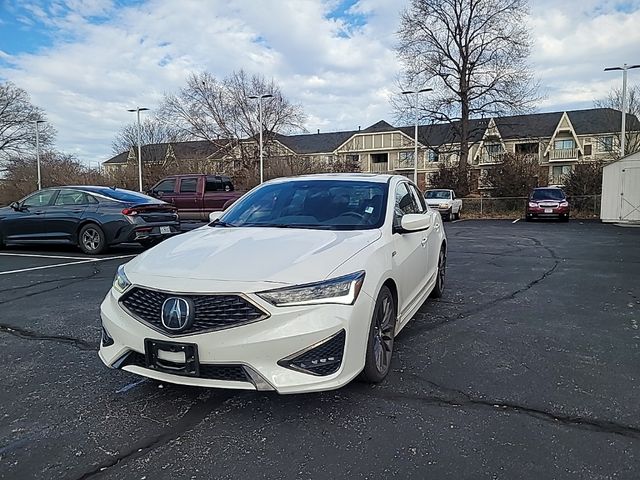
[516, 220]
[43, 267]
[35, 255]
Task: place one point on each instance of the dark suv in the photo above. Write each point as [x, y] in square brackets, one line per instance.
[547, 202]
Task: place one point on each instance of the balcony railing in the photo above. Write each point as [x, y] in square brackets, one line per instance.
[379, 167]
[406, 164]
[563, 154]
[490, 158]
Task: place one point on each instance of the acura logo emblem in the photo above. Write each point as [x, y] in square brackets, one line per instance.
[177, 314]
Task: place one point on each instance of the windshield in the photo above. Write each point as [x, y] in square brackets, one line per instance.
[438, 194]
[548, 194]
[315, 204]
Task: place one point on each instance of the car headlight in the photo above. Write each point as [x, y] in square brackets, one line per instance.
[121, 282]
[343, 290]
[533, 204]
[444, 205]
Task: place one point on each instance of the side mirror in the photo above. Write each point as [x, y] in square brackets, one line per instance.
[414, 222]
[15, 206]
[213, 216]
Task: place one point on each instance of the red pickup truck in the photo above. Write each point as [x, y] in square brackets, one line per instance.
[196, 195]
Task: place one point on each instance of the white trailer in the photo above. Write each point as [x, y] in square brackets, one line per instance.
[621, 191]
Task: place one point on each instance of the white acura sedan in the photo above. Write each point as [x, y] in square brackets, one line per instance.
[302, 285]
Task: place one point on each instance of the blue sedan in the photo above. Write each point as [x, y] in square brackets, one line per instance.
[93, 218]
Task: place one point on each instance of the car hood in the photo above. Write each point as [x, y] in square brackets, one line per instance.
[248, 256]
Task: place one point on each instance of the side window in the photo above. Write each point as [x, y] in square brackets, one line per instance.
[188, 185]
[91, 199]
[38, 199]
[227, 185]
[420, 202]
[214, 184]
[405, 203]
[72, 197]
[166, 186]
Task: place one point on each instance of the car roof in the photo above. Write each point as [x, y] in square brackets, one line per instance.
[353, 177]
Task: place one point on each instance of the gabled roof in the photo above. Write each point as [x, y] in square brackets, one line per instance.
[315, 142]
[198, 149]
[380, 126]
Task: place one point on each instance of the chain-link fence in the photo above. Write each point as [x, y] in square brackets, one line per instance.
[583, 206]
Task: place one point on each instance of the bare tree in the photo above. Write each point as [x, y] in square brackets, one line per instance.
[221, 112]
[152, 131]
[516, 176]
[613, 100]
[57, 169]
[473, 53]
[17, 123]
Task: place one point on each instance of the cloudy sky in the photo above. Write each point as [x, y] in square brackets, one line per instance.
[86, 61]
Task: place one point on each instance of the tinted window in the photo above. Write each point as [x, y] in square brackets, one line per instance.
[39, 199]
[214, 184]
[405, 203]
[321, 204]
[438, 194]
[123, 195]
[73, 197]
[166, 186]
[548, 194]
[188, 185]
[422, 205]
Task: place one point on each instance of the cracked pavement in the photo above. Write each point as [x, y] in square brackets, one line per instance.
[528, 368]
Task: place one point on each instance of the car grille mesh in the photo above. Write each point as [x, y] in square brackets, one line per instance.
[231, 373]
[211, 312]
[324, 359]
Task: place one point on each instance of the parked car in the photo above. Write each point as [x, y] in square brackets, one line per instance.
[445, 201]
[300, 286]
[93, 218]
[196, 195]
[547, 202]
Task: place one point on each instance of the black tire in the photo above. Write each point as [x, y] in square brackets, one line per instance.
[2, 244]
[380, 339]
[438, 290]
[446, 217]
[91, 239]
[564, 219]
[151, 242]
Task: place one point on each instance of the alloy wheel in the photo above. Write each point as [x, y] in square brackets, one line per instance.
[91, 239]
[383, 335]
[442, 268]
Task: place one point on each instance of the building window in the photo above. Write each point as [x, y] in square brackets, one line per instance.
[587, 149]
[405, 156]
[432, 156]
[379, 157]
[526, 148]
[565, 144]
[493, 148]
[607, 144]
[355, 158]
[558, 173]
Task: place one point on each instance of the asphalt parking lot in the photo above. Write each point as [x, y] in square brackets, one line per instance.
[528, 368]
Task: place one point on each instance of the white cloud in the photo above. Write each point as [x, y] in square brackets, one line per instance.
[94, 71]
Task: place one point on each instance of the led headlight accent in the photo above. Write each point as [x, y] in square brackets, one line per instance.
[121, 282]
[343, 290]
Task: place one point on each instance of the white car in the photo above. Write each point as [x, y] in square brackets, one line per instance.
[300, 286]
[445, 201]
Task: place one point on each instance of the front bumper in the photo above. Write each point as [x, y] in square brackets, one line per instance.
[259, 348]
[557, 212]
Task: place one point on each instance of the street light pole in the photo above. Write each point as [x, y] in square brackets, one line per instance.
[260, 97]
[623, 132]
[415, 139]
[37, 122]
[138, 134]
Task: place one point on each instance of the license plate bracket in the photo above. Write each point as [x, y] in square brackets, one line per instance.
[191, 366]
[165, 229]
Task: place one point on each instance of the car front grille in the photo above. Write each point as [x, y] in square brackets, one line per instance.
[230, 373]
[323, 359]
[211, 312]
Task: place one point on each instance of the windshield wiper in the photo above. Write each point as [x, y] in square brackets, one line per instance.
[220, 223]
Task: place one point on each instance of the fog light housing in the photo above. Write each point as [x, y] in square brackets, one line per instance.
[106, 341]
[323, 358]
